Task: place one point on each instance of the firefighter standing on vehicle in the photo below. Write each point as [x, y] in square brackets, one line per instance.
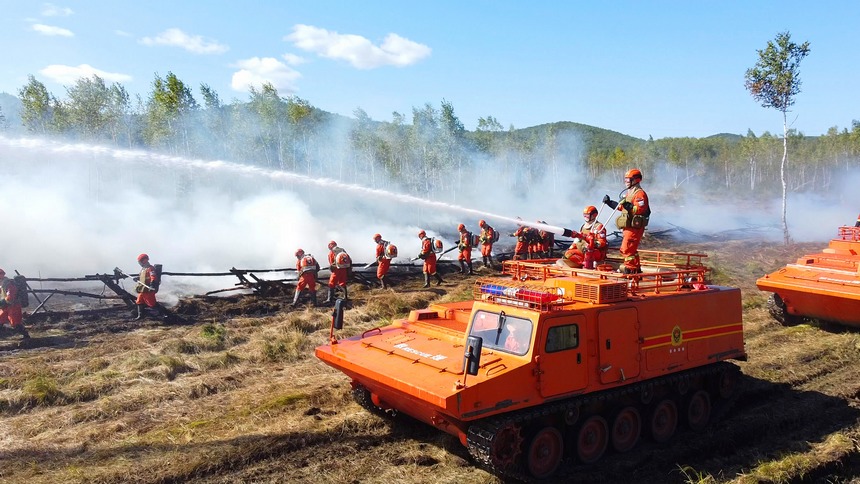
[383, 258]
[146, 287]
[428, 255]
[339, 264]
[590, 249]
[465, 248]
[10, 305]
[635, 213]
[307, 268]
[857, 223]
[487, 237]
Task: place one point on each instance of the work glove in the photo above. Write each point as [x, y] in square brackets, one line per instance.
[627, 206]
[421, 256]
[606, 199]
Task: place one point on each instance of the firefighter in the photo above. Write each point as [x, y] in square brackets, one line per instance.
[465, 248]
[147, 286]
[307, 268]
[635, 213]
[857, 223]
[10, 305]
[591, 246]
[521, 250]
[487, 237]
[429, 257]
[383, 258]
[534, 242]
[339, 264]
[547, 241]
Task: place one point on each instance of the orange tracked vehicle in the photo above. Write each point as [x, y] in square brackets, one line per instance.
[546, 362]
[823, 286]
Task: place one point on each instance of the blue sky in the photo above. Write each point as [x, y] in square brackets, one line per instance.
[662, 68]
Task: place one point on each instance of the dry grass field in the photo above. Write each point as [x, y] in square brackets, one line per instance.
[241, 398]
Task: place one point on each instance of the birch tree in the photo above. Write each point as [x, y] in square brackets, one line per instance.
[774, 82]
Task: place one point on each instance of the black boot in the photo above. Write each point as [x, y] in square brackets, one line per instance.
[439, 280]
[426, 280]
[314, 297]
[296, 298]
[22, 330]
[139, 313]
[330, 296]
[470, 267]
[345, 294]
[462, 267]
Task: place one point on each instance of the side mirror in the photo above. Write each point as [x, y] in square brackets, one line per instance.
[472, 357]
[337, 314]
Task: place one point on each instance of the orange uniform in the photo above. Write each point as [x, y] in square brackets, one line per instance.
[307, 268]
[590, 249]
[384, 262]
[488, 233]
[428, 256]
[637, 201]
[339, 271]
[11, 313]
[146, 286]
[521, 250]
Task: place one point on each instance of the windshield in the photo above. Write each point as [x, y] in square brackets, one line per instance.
[502, 332]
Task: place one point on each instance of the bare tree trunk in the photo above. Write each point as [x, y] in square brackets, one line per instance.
[786, 236]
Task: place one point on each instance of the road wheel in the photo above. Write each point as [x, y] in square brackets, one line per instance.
[777, 309]
[506, 446]
[699, 410]
[545, 452]
[592, 439]
[626, 428]
[727, 383]
[664, 420]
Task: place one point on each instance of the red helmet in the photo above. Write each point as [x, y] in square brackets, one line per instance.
[481, 223]
[633, 173]
[300, 252]
[376, 236]
[332, 244]
[141, 257]
[461, 228]
[587, 211]
[422, 234]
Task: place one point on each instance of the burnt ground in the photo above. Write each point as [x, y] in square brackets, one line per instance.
[232, 393]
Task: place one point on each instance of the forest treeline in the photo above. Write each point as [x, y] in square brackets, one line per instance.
[427, 152]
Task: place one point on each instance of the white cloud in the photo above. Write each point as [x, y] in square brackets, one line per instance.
[51, 30]
[51, 10]
[122, 33]
[67, 75]
[256, 71]
[357, 50]
[293, 59]
[191, 43]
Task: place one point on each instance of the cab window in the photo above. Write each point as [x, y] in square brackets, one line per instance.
[501, 332]
[560, 338]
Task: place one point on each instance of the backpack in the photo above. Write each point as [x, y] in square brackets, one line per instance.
[436, 245]
[157, 281]
[308, 264]
[342, 260]
[390, 251]
[21, 284]
[495, 236]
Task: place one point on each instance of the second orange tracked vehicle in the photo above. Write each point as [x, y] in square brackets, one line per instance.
[547, 362]
[823, 286]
